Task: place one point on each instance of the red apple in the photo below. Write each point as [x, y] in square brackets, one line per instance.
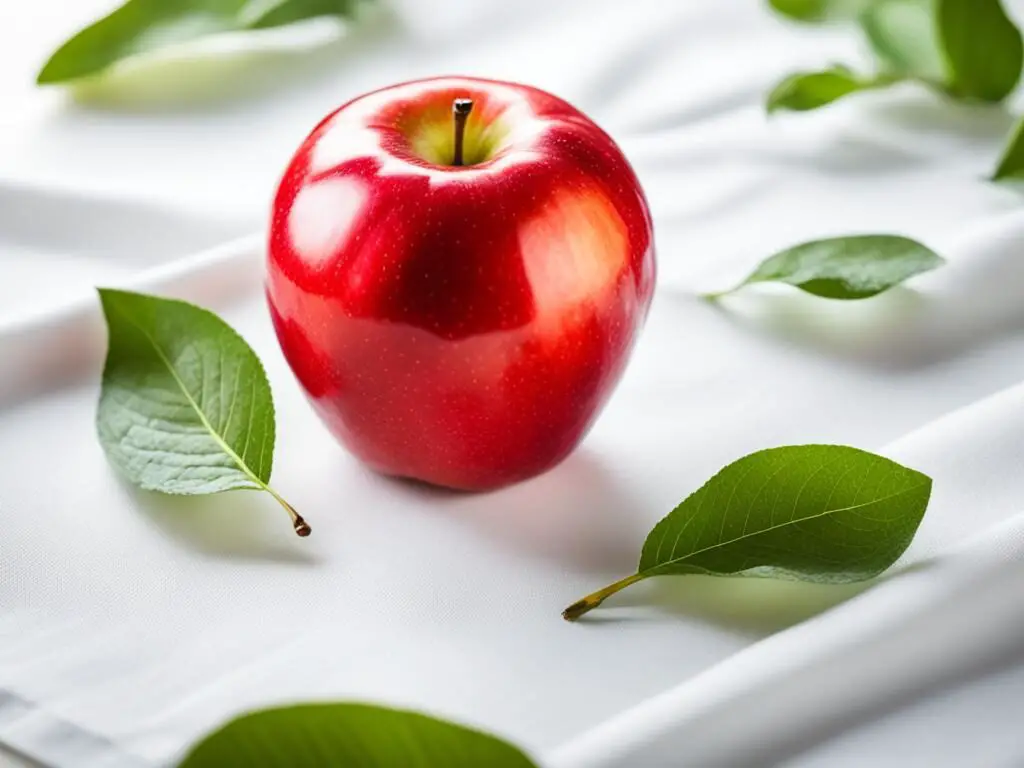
[459, 320]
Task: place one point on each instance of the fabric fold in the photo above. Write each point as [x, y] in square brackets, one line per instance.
[950, 608]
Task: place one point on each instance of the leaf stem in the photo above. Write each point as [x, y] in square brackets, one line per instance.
[716, 295]
[298, 521]
[594, 599]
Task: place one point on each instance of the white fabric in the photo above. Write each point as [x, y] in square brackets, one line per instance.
[130, 623]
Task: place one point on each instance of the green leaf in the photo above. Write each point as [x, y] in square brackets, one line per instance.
[1011, 164]
[185, 407]
[144, 26]
[349, 736]
[819, 10]
[983, 48]
[904, 37]
[805, 91]
[855, 267]
[801, 10]
[821, 513]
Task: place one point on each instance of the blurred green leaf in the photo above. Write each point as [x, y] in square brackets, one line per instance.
[804, 91]
[144, 26]
[983, 48]
[819, 10]
[968, 48]
[350, 735]
[1011, 164]
[855, 267]
[904, 37]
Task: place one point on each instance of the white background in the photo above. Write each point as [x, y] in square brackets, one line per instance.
[130, 624]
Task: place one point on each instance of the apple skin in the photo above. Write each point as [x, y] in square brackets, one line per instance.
[460, 325]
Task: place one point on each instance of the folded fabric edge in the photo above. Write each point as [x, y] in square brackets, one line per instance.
[59, 343]
[48, 740]
[681, 718]
[758, 705]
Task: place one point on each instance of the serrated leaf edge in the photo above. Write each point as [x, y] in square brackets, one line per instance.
[301, 527]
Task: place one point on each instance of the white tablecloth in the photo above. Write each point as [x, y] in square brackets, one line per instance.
[128, 625]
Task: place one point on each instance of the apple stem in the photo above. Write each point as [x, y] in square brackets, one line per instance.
[460, 111]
